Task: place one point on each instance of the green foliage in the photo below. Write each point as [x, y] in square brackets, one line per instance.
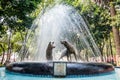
[115, 20]
[17, 41]
[3, 43]
[15, 10]
[16, 15]
[18, 7]
[98, 18]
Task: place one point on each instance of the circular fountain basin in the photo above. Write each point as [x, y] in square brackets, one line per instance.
[48, 68]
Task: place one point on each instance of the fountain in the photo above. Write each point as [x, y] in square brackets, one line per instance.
[59, 43]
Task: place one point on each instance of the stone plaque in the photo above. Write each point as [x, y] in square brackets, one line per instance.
[59, 69]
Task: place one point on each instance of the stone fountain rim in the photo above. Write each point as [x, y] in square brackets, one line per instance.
[72, 68]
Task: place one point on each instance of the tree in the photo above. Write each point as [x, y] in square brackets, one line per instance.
[3, 54]
[15, 17]
[110, 4]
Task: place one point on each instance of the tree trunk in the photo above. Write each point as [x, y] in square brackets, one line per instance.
[24, 50]
[115, 34]
[107, 51]
[3, 55]
[110, 46]
[9, 50]
[101, 50]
